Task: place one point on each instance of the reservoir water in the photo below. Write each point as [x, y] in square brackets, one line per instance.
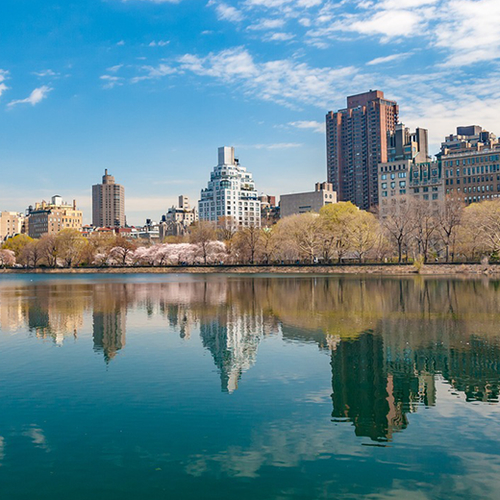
[249, 387]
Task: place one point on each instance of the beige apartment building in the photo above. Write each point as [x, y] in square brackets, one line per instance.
[471, 164]
[53, 217]
[11, 223]
[108, 203]
[405, 180]
[312, 201]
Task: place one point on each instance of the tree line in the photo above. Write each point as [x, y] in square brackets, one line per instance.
[408, 232]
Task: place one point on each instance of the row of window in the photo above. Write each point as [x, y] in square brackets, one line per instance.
[471, 160]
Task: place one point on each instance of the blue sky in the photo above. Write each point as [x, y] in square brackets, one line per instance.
[150, 88]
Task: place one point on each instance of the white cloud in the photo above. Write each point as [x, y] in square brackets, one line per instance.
[35, 97]
[315, 126]
[472, 33]
[285, 81]
[153, 72]
[114, 69]
[159, 43]
[267, 24]
[226, 12]
[280, 37]
[121, 43]
[111, 81]
[3, 76]
[386, 59]
[152, 1]
[46, 72]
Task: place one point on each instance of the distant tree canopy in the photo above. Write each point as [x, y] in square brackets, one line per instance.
[340, 232]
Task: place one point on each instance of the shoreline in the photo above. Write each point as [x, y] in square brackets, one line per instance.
[371, 269]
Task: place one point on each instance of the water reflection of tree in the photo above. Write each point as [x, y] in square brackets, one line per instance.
[424, 327]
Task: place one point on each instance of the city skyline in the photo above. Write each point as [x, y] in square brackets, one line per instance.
[148, 89]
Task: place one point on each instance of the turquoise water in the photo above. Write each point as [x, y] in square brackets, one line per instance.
[225, 387]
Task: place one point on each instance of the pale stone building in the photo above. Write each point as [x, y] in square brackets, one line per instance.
[50, 218]
[311, 201]
[471, 164]
[178, 218]
[11, 223]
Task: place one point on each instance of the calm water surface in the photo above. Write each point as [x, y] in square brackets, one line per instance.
[224, 387]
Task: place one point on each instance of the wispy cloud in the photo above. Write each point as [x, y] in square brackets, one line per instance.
[115, 68]
[38, 94]
[154, 72]
[46, 73]
[315, 126]
[267, 24]
[111, 81]
[280, 37]
[286, 81]
[387, 59]
[226, 12]
[159, 43]
[3, 76]
[151, 1]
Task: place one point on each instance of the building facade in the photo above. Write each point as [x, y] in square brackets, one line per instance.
[312, 201]
[356, 143]
[178, 218]
[53, 217]
[269, 210]
[471, 164]
[230, 193]
[108, 203]
[402, 181]
[11, 223]
[409, 172]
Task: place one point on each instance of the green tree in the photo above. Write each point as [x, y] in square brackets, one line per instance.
[336, 220]
[17, 243]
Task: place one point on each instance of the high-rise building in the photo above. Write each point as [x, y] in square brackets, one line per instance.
[50, 218]
[108, 203]
[356, 142]
[230, 193]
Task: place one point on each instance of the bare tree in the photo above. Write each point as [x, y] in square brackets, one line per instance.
[363, 233]
[426, 226]
[301, 232]
[449, 219]
[247, 242]
[202, 233]
[31, 254]
[269, 244]
[399, 225]
[226, 228]
[48, 248]
[336, 220]
[70, 246]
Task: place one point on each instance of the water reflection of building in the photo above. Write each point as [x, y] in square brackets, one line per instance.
[362, 391]
[50, 313]
[376, 385]
[233, 341]
[109, 319]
